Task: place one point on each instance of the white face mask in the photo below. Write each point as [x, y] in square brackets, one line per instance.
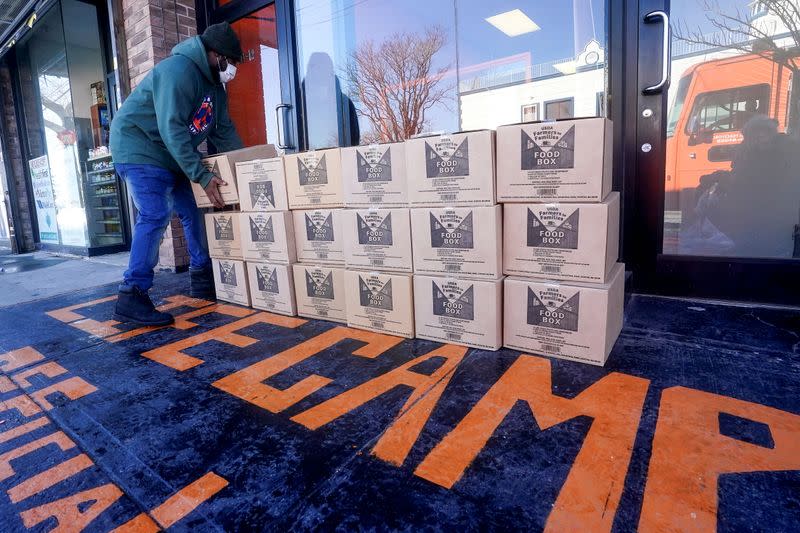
[227, 75]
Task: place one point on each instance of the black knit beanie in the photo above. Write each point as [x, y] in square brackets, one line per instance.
[222, 39]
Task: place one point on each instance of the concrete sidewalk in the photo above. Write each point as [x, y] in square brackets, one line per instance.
[28, 277]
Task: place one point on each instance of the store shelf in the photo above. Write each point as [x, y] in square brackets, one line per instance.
[107, 208]
[104, 195]
[114, 234]
[109, 221]
[105, 182]
[101, 171]
[99, 158]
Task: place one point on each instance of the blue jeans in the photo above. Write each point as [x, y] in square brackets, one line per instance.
[156, 193]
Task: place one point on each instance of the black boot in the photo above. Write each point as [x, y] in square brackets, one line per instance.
[201, 283]
[134, 306]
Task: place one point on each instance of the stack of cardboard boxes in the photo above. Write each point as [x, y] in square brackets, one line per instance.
[314, 186]
[377, 239]
[223, 229]
[364, 219]
[565, 294]
[457, 238]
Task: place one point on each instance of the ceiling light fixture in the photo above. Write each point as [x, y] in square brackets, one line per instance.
[513, 23]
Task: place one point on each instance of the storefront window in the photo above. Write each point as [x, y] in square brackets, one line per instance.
[63, 91]
[5, 237]
[381, 70]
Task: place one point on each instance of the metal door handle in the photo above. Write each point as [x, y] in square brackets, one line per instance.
[278, 115]
[655, 16]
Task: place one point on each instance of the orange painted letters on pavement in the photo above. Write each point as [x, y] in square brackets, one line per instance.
[248, 385]
[177, 506]
[172, 355]
[6, 385]
[58, 438]
[21, 403]
[24, 429]
[395, 444]
[68, 314]
[49, 477]
[67, 510]
[589, 498]
[18, 358]
[72, 388]
[689, 454]
[49, 369]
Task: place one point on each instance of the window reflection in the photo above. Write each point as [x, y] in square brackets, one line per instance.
[733, 153]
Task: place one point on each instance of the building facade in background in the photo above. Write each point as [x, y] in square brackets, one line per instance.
[319, 73]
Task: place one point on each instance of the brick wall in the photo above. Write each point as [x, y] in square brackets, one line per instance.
[152, 29]
[10, 130]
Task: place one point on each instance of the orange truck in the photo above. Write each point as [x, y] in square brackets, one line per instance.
[713, 102]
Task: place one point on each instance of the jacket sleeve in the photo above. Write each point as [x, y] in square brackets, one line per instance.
[223, 135]
[174, 100]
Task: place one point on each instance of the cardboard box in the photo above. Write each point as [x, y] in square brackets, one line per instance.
[320, 292]
[575, 321]
[272, 287]
[380, 302]
[451, 170]
[230, 281]
[262, 185]
[268, 237]
[224, 238]
[314, 179]
[378, 239]
[224, 166]
[375, 175]
[578, 242]
[458, 311]
[563, 161]
[319, 237]
[466, 242]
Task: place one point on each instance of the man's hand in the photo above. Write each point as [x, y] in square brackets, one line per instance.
[212, 191]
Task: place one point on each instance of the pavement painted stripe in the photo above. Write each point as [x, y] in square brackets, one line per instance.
[49, 478]
[19, 358]
[24, 429]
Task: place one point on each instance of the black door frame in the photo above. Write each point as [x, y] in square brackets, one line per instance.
[293, 134]
[728, 278]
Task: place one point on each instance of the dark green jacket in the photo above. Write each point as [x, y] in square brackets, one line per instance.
[174, 109]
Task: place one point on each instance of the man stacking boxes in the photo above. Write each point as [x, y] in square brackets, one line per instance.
[314, 188]
[222, 227]
[457, 239]
[565, 294]
[267, 235]
[377, 239]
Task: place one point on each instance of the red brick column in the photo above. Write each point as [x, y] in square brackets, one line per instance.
[152, 29]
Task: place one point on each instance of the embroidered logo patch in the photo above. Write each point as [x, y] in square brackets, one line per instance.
[203, 117]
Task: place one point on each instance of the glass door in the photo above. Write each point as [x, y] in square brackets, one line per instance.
[718, 150]
[262, 98]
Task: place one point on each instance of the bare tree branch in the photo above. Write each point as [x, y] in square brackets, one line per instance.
[392, 85]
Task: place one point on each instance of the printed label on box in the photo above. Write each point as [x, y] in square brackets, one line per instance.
[262, 195]
[451, 300]
[452, 230]
[552, 308]
[319, 227]
[267, 278]
[553, 228]
[445, 158]
[227, 273]
[223, 228]
[319, 284]
[549, 147]
[374, 293]
[261, 228]
[374, 229]
[374, 164]
[312, 169]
